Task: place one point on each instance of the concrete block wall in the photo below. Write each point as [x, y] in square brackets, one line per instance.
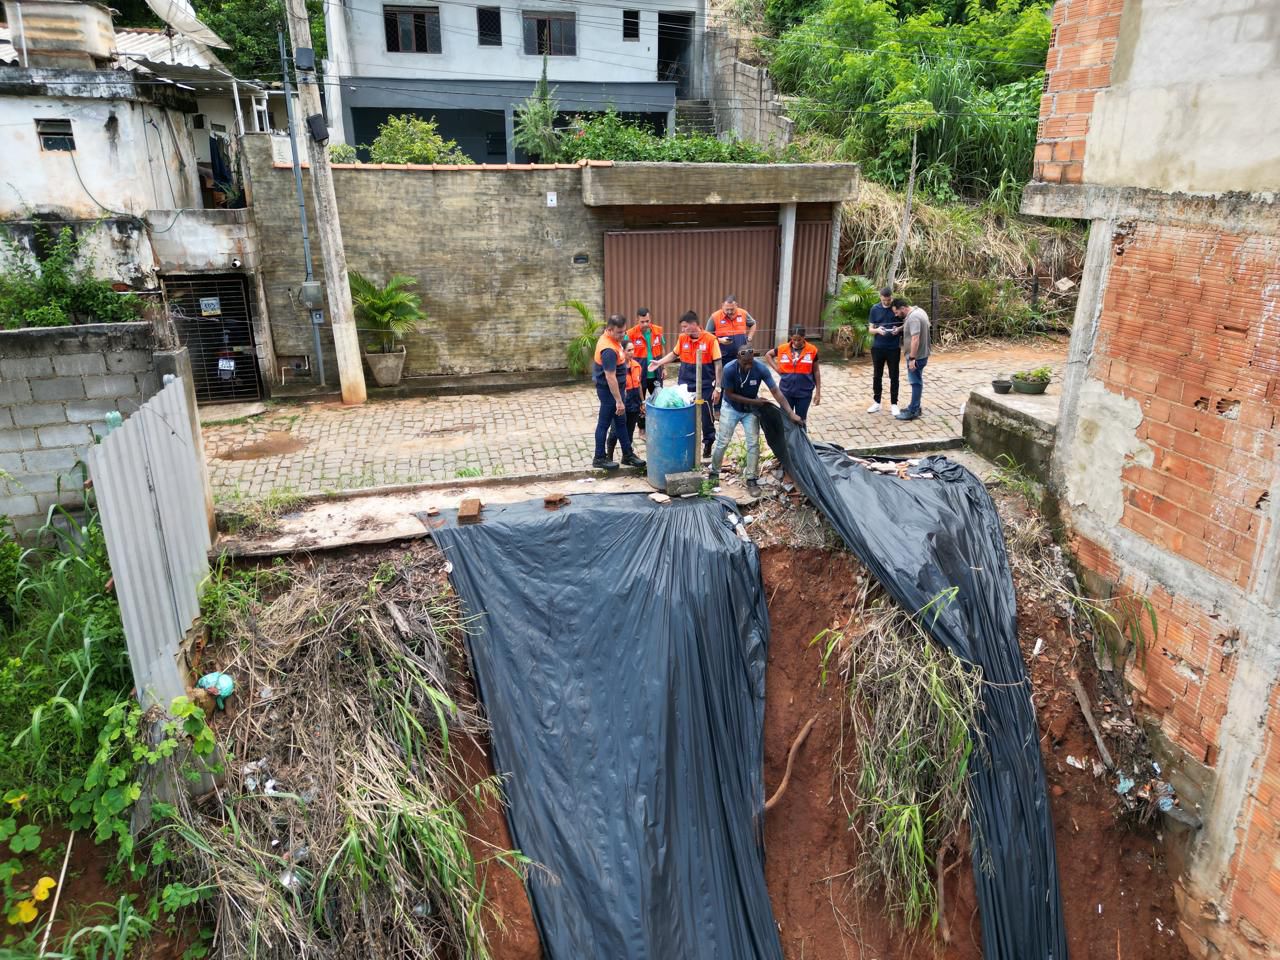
[1081, 54]
[1168, 461]
[493, 259]
[742, 95]
[57, 385]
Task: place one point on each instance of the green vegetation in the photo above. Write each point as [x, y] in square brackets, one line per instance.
[57, 289]
[411, 139]
[390, 312]
[78, 747]
[343, 153]
[847, 315]
[903, 760]
[535, 122]
[966, 82]
[245, 515]
[580, 349]
[1038, 375]
[607, 136]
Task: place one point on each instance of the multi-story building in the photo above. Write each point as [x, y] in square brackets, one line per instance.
[1155, 127]
[469, 65]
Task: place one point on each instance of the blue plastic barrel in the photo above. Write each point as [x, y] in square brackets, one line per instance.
[668, 444]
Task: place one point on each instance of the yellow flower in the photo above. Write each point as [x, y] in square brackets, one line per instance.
[23, 912]
[42, 888]
[16, 802]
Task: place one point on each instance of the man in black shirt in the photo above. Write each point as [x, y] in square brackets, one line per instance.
[886, 350]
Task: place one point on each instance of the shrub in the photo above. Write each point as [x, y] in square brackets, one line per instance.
[1038, 375]
[847, 315]
[58, 290]
[389, 312]
[535, 122]
[343, 153]
[411, 139]
[608, 136]
[579, 350]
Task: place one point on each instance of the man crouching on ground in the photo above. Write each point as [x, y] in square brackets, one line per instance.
[742, 379]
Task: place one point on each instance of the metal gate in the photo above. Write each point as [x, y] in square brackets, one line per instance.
[809, 276]
[671, 271]
[214, 319]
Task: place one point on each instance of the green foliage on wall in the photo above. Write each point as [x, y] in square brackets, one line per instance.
[59, 289]
[607, 136]
[410, 139]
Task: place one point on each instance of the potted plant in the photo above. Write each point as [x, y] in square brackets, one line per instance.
[389, 313]
[1002, 383]
[1032, 381]
[579, 351]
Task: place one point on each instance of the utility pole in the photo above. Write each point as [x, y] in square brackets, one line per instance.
[329, 228]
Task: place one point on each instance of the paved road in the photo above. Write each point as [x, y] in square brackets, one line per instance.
[325, 447]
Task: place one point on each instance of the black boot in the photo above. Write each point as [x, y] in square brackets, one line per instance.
[600, 463]
[631, 460]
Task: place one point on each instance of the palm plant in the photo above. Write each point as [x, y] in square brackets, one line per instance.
[578, 353]
[847, 315]
[389, 312]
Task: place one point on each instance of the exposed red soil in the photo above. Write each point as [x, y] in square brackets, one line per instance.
[810, 852]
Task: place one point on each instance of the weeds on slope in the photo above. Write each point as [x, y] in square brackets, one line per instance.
[340, 828]
[906, 744]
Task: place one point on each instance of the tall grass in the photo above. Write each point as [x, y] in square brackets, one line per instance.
[907, 742]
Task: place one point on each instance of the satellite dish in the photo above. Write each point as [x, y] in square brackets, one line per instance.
[179, 15]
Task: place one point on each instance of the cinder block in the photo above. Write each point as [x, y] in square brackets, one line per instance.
[59, 388]
[128, 361]
[50, 461]
[38, 414]
[64, 435]
[26, 367]
[18, 505]
[6, 418]
[79, 364]
[90, 411]
[15, 391]
[11, 463]
[111, 385]
[17, 440]
[680, 484]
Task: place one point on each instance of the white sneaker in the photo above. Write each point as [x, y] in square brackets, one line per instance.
[893, 408]
[874, 408]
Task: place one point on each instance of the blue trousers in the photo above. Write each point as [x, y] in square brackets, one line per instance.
[609, 417]
[916, 379]
[800, 404]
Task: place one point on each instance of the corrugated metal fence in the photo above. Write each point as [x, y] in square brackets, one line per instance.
[147, 479]
[809, 276]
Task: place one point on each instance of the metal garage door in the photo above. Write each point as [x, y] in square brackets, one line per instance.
[213, 319]
[809, 272]
[671, 271]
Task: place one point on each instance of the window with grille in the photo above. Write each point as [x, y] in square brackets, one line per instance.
[412, 29]
[630, 24]
[489, 26]
[55, 135]
[550, 34]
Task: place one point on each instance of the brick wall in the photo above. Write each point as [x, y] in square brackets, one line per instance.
[743, 96]
[1081, 52]
[493, 261]
[57, 385]
[1188, 329]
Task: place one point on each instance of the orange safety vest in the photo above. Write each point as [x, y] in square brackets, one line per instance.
[606, 342]
[790, 361]
[636, 334]
[634, 372]
[688, 348]
[731, 324]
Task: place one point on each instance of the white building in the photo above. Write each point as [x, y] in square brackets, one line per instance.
[469, 65]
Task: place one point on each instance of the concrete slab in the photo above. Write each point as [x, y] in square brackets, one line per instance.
[1019, 426]
[214, 413]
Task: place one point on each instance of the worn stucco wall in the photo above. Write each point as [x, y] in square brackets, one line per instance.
[493, 261]
[1168, 466]
[743, 96]
[1186, 110]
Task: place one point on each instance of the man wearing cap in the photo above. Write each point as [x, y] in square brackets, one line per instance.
[886, 350]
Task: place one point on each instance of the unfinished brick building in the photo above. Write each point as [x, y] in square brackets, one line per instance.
[1159, 126]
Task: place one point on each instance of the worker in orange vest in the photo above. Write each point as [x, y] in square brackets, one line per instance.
[732, 326]
[632, 398]
[796, 361]
[649, 343]
[692, 344]
[609, 371]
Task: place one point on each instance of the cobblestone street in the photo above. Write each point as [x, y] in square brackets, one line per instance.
[312, 448]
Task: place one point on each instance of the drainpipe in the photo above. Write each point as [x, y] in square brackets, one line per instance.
[17, 9]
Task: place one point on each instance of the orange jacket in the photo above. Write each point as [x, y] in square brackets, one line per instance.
[606, 342]
[634, 373]
[731, 324]
[791, 361]
[688, 348]
[636, 335]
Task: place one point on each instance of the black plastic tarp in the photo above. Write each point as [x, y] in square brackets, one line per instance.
[620, 654]
[921, 538]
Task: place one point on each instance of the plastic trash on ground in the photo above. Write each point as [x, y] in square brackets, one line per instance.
[220, 685]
